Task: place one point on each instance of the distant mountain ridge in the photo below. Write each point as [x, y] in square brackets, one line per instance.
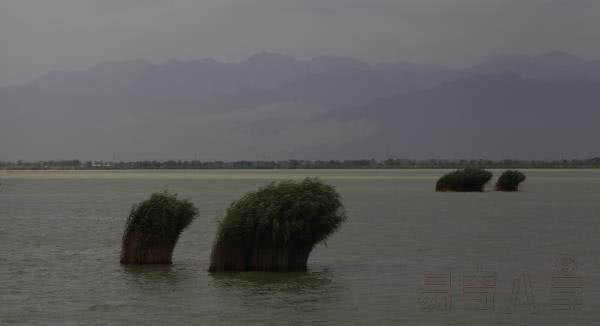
[269, 76]
[267, 70]
[272, 106]
[555, 66]
[486, 116]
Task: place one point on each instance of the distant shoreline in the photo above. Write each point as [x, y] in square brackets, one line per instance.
[592, 163]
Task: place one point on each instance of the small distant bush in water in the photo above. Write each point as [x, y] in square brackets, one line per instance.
[153, 228]
[469, 179]
[510, 180]
[276, 227]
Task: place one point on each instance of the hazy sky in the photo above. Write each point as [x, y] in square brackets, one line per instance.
[37, 36]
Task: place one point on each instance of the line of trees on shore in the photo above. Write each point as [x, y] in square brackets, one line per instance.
[296, 164]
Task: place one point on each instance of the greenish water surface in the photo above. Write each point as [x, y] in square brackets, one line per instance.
[60, 234]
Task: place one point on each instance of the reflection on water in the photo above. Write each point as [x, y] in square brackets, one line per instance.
[152, 274]
[292, 292]
[267, 282]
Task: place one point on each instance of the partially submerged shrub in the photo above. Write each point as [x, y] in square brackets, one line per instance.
[510, 180]
[469, 179]
[276, 227]
[153, 228]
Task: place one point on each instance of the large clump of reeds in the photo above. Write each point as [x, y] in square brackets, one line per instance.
[276, 227]
[510, 180]
[153, 228]
[469, 179]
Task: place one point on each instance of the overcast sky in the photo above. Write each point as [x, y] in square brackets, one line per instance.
[37, 36]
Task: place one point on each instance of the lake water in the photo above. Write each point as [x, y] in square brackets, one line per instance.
[406, 256]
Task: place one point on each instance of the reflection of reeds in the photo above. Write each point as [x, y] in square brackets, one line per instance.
[469, 179]
[293, 282]
[276, 227]
[510, 180]
[153, 228]
[144, 274]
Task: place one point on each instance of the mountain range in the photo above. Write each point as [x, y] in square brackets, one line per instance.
[271, 107]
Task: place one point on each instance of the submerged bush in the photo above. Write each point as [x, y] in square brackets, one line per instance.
[276, 227]
[153, 228]
[510, 180]
[469, 179]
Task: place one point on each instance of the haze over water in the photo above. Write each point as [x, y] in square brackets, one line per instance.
[61, 233]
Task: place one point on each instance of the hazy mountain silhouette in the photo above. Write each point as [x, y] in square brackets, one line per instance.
[554, 66]
[262, 78]
[272, 106]
[495, 116]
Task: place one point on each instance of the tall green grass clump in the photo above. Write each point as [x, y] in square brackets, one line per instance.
[153, 228]
[276, 227]
[469, 179]
[510, 180]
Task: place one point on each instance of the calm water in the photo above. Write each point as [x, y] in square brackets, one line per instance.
[60, 234]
